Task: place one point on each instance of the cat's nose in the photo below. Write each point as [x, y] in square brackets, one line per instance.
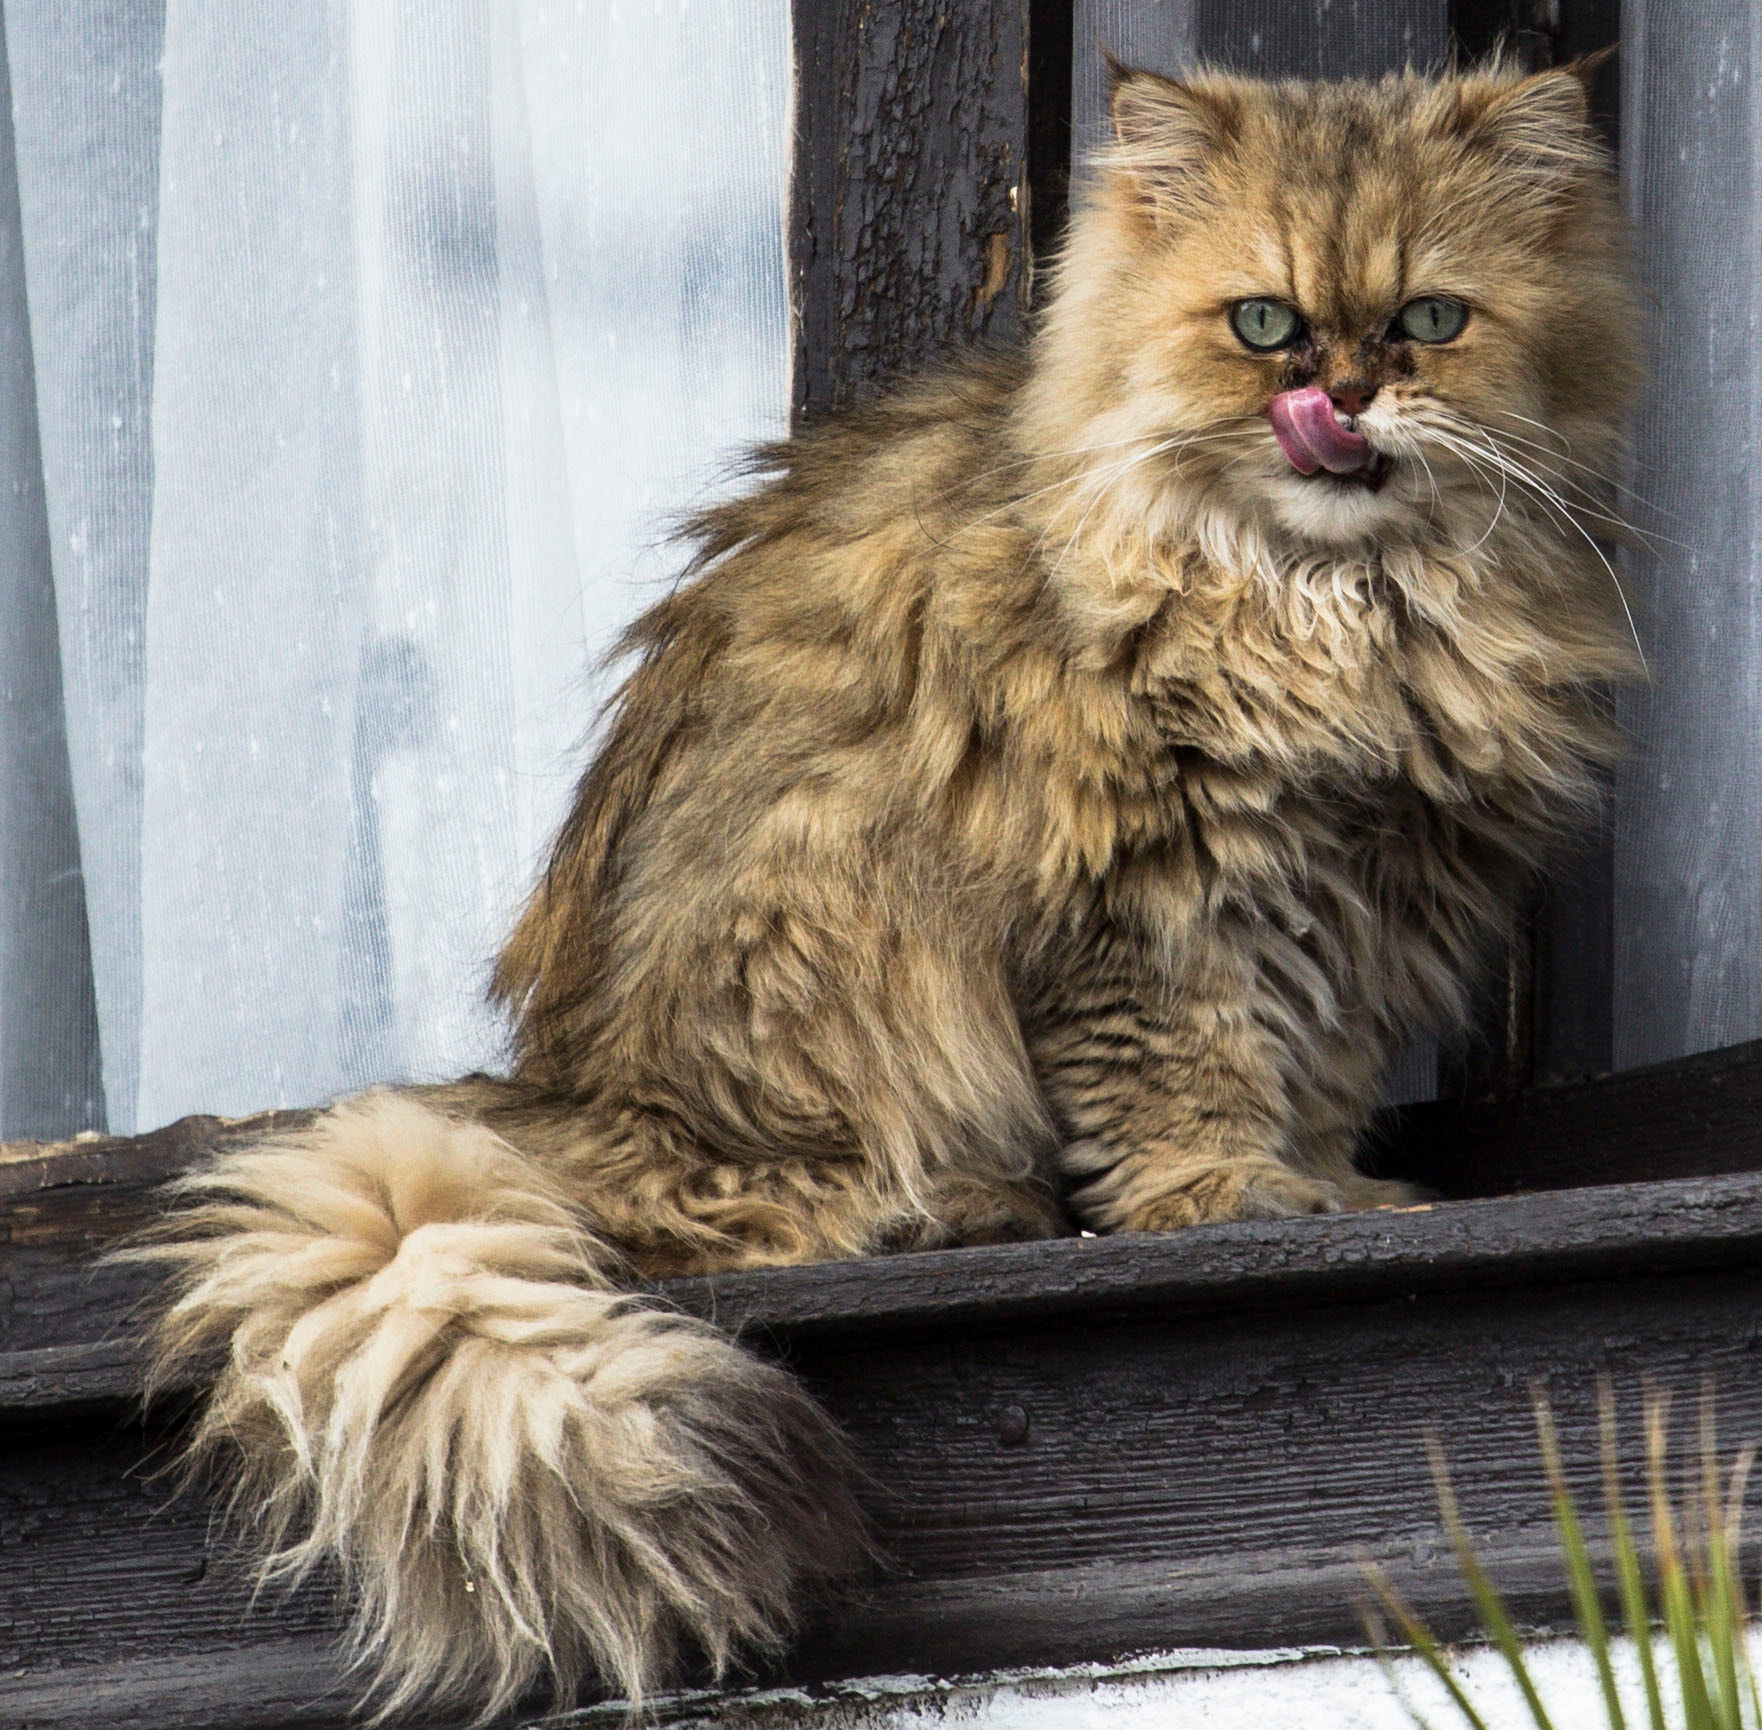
[1352, 397]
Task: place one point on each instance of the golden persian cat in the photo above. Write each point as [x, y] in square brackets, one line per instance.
[1046, 802]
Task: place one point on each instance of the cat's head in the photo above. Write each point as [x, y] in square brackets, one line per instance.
[1346, 314]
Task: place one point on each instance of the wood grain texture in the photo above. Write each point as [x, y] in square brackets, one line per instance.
[908, 207]
[1262, 1266]
[259, 1682]
[64, 1318]
[1075, 1450]
[1058, 1484]
[1213, 1480]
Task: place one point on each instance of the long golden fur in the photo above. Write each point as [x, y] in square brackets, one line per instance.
[1040, 805]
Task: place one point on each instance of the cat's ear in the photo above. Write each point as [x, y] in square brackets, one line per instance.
[1537, 129]
[1163, 128]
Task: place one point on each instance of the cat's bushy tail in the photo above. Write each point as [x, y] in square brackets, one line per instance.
[436, 1385]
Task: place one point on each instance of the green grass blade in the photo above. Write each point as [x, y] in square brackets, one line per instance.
[1629, 1575]
[1679, 1625]
[1419, 1637]
[1731, 1550]
[1378, 1633]
[1486, 1600]
[1724, 1630]
[1581, 1577]
[1696, 1566]
[1674, 1596]
[1734, 1550]
[1720, 1615]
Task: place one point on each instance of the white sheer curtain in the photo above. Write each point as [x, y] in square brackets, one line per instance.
[375, 342]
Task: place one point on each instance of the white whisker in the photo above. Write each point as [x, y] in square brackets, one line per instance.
[1467, 447]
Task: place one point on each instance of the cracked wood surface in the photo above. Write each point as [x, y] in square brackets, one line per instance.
[908, 228]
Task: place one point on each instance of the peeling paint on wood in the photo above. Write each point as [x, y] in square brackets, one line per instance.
[909, 203]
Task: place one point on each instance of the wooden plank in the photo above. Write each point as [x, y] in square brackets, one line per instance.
[1214, 1480]
[1076, 1450]
[1049, 1488]
[1698, 1118]
[67, 1207]
[74, 1350]
[909, 202]
[1261, 1266]
[99, 1164]
[258, 1683]
[65, 1320]
[1699, 1115]
[61, 1381]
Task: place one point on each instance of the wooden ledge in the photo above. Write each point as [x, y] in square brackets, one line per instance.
[64, 1340]
[1698, 1116]
[1075, 1450]
[128, 1164]
[1566, 1235]
[83, 1352]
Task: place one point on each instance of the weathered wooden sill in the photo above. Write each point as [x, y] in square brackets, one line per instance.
[1079, 1449]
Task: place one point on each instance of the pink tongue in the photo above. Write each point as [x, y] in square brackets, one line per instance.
[1304, 424]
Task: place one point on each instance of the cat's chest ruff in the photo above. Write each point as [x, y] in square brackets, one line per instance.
[1302, 676]
[1319, 684]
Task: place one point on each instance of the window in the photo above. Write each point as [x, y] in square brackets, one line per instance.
[371, 348]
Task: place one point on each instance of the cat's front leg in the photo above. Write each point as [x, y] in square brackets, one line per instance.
[1172, 1092]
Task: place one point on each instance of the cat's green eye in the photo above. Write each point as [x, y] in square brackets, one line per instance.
[1432, 318]
[1265, 324]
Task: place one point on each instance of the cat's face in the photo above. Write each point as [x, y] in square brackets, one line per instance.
[1351, 313]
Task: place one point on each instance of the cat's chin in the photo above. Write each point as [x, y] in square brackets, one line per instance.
[1326, 510]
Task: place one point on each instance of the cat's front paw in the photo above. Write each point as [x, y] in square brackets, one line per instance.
[1255, 1188]
[1367, 1192]
[968, 1212]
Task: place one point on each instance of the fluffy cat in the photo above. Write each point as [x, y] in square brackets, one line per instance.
[1047, 800]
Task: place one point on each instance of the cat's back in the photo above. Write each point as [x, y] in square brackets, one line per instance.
[808, 688]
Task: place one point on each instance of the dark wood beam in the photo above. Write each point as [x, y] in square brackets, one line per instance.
[1076, 1450]
[908, 232]
[61, 1204]
[1698, 1116]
